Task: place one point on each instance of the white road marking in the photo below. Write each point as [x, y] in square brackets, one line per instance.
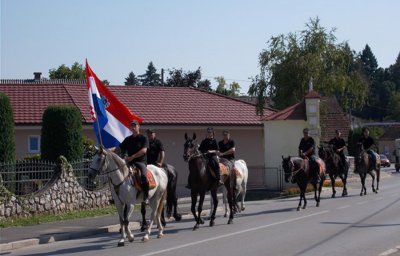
[343, 207]
[388, 252]
[363, 202]
[232, 234]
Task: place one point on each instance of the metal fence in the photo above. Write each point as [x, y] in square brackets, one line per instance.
[26, 176]
[265, 178]
[81, 169]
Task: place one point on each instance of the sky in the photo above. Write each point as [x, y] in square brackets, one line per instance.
[222, 37]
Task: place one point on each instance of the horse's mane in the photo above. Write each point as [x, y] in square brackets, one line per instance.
[119, 162]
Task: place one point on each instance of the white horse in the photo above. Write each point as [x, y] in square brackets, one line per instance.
[124, 193]
[241, 187]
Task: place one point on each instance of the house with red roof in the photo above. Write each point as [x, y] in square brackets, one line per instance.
[170, 111]
[283, 129]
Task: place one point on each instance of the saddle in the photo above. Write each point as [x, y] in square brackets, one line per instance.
[136, 179]
[305, 165]
[225, 172]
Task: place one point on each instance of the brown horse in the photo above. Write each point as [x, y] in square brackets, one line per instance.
[302, 172]
[363, 165]
[201, 182]
[334, 167]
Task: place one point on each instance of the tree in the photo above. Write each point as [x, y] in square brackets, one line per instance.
[234, 89]
[291, 61]
[132, 79]
[61, 133]
[221, 85]
[204, 85]
[77, 71]
[7, 141]
[369, 62]
[63, 72]
[151, 77]
[394, 107]
[179, 78]
[394, 71]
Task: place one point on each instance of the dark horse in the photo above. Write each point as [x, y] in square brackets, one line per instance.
[172, 200]
[302, 172]
[363, 165]
[201, 182]
[334, 167]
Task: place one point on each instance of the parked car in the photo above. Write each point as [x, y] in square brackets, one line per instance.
[385, 162]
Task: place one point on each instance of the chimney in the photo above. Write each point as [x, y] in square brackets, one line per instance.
[37, 75]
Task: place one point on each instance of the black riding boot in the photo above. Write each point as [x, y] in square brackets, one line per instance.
[145, 186]
[218, 177]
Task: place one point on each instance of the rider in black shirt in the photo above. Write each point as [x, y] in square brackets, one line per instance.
[339, 145]
[155, 152]
[136, 146]
[368, 143]
[209, 147]
[307, 150]
[227, 150]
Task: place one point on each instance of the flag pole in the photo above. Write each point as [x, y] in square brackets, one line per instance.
[98, 129]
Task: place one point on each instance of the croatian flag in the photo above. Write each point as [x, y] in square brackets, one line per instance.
[111, 118]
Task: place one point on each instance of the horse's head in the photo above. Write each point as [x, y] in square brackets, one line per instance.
[98, 163]
[322, 152]
[287, 166]
[325, 152]
[190, 147]
[360, 154]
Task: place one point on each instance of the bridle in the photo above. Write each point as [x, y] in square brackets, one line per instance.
[103, 161]
[192, 151]
[291, 168]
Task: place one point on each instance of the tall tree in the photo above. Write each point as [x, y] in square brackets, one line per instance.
[131, 79]
[7, 140]
[394, 71]
[179, 78]
[204, 85]
[151, 77]
[63, 72]
[221, 83]
[369, 62]
[234, 89]
[290, 61]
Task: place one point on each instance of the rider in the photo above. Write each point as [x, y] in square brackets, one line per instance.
[368, 143]
[307, 150]
[209, 147]
[136, 147]
[339, 145]
[227, 154]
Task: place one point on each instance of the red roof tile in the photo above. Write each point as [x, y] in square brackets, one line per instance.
[294, 112]
[155, 105]
[312, 94]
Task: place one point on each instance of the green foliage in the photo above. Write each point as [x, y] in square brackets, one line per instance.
[292, 60]
[179, 78]
[151, 77]
[61, 133]
[7, 142]
[63, 72]
[204, 85]
[394, 106]
[355, 135]
[89, 149]
[221, 85]
[33, 157]
[132, 79]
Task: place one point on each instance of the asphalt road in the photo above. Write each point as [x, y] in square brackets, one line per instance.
[354, 225]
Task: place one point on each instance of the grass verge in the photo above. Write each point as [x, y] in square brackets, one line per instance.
[45, 218]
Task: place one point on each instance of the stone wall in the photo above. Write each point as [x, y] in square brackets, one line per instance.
[63, 193]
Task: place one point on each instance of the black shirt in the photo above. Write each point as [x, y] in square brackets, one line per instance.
[208, 144]
[132, 144]
[154, 150]
[337, 143]
[305, 145]
[367, 142]
[223, 147]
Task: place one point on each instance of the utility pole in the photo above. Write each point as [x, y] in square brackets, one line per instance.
[162, 77]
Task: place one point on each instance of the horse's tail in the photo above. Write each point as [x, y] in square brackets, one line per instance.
[171, 188]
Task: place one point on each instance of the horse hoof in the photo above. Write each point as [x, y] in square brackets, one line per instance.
[195, 227]
[121, 244]
[317, 204]
[201, 221]
[225, 215]
[333, 196]
[145, 239]
[361, 194]
[212, 223]
[243, 208]
[298, 208]
[304, 207]
[160, 236]
[131, 239]
[177, 217]
[230, 221]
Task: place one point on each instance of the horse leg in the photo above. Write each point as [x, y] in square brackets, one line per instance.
[144, 225]
[127, 214]
[333, 178]
[200, 206]
[378, 174]
[363, 188]
[243, 194]
[121, 209]
[193, 209]
[159, 214]
[224, 201]
[214, 209]
[162, 218]
[231, 196]
[316, 187]
[373, 181]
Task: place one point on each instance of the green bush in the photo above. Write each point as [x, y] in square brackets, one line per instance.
[89, 148]
[61, 133]
[7, 142]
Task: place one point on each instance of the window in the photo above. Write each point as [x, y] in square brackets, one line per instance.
[34, 144]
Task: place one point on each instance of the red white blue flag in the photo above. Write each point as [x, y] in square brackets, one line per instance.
[111, 118]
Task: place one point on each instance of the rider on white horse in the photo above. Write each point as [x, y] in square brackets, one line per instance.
[227, 153]
[136, 146]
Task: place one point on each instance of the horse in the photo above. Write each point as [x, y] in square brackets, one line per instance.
[363, 166]
[241, 188]
[125, 193]
[172, 200]
[201, 182]
[334, 167]
[302, 172]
